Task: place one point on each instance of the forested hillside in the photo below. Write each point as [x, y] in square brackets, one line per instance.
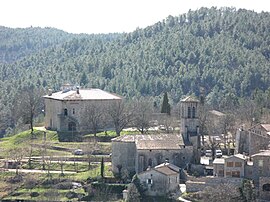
[225, 51]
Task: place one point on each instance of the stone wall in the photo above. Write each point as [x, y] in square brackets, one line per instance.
[264, 189]
[199, 184]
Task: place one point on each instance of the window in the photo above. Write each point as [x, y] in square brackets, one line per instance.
[149, 181]
[261, 163]
[238, 164]
[228, 174]
[266, 187]
[189, 112]
[235, 173]
[193, 112]
[229, 164]
[65, 112]
[150, 162]
[73, 111]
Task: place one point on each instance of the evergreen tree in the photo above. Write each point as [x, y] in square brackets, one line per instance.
[102, 167]
[166, 107]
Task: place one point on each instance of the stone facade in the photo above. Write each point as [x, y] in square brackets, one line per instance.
[234, 166]
[138, 152]
[253, 140]
[261, 165]
[160, 180]
[264, 188]
[218, 167]
[65, 110]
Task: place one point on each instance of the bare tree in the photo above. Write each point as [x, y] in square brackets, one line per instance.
[89, 149]
[28, 104]
[227, 124]
[17, 154]
[142, 114]
[248, 112]
[121, 114]
[93, 117]
[61, 161]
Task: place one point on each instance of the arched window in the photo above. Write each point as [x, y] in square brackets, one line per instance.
[189, 112]
[65, 112]
[193, 112]
[266, 187]
[72, 126]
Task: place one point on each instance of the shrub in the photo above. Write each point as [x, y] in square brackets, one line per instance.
[34, 194]
[63, 185]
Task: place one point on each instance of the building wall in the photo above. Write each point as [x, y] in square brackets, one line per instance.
[152, 158]
[257, 142]
[218, 170]
[52, 109]
[264, 185]
[261, 168]
[199, 184]
[123, 154]
[242, 142]
[235, 169]
[160, 184]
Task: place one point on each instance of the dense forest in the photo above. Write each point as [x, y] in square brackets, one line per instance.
[224, 51]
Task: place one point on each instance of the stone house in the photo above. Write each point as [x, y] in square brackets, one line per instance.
[136, 153]
[261, 173]
[234, 166]
[218, 167]
[160, 180]
[261, 165]
[253, 140]
[65, 110]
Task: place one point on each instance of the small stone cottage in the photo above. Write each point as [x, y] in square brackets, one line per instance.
[160, 180]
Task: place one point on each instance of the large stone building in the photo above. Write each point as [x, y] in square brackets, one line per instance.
[253, 140]
[66, 111]
[137, 152]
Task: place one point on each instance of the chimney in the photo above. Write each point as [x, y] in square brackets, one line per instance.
[78, 89]
[50, 92]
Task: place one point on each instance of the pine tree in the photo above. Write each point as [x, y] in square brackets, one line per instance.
[166, 107]
[102, 167]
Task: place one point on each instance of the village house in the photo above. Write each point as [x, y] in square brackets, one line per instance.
[160, 180]
[253, 140]
[65, 110]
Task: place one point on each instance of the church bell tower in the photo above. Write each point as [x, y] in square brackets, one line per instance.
[190, 125]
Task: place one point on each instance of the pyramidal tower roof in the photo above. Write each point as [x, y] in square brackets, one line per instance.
[190, 99]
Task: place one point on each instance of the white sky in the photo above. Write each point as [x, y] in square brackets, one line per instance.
[105, 16]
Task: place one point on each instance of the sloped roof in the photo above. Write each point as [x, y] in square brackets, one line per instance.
[166, 170]
[158, 141]
[240, 156]
[171, 166]
[190, 99]
[266, 127]
[217, 113]
[218, 161]
[84, 94]
[263, 153]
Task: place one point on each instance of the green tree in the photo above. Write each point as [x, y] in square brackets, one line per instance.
[102, 167]
[166, 107]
